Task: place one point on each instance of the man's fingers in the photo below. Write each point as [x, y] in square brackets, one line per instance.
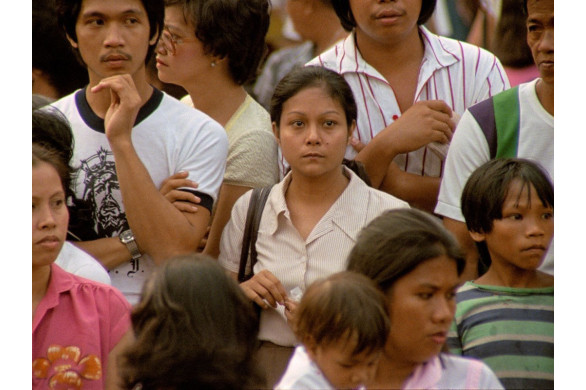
[438, 105]
[356, 144]
[180, 195]
[186, 207]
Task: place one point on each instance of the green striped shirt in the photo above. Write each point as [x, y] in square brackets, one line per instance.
[510, 329]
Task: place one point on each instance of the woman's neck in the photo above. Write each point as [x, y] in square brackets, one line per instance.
[323, 189]
[392, 373]
[40, 283]
[217, 97]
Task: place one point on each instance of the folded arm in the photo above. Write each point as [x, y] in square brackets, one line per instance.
[160, 229]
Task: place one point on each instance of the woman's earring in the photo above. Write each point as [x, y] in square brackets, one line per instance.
[213, 63]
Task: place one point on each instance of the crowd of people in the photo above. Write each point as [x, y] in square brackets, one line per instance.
[371, 208]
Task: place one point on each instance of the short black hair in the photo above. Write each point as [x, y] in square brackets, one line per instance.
[232, 29]
[51, 132]
[342, 8]
[488, 186]
[68, 12]
[303, 77]
[52, 54]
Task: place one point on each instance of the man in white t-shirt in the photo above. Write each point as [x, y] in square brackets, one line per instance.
[130, 137]
[469, 147]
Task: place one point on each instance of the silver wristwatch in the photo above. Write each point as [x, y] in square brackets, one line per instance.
[127, 238]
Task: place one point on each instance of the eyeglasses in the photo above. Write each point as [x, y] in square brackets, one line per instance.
[170, 42]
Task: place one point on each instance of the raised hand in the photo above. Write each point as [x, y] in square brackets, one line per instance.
[424, 122]
[125, 102]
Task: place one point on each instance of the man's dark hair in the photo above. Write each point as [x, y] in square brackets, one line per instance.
[232, 29]
[68, 12]
[342, 8]
[52, 54]
[488, 186]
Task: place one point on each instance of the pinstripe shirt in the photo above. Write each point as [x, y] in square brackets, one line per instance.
[456, 72]
[294, 261]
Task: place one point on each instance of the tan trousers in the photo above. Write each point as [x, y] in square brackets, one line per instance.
[272, 360]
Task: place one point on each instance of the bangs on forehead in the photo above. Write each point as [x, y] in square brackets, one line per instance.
[526, 186]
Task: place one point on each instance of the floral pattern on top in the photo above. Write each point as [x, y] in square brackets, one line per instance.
[65, 369]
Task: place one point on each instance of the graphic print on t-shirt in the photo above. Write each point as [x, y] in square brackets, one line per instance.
[97, 179]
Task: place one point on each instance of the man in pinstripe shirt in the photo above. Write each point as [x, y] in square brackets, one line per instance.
[408, 83]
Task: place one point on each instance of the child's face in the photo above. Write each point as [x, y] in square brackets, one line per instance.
[520, 239]
[342, 369]
[313, 133]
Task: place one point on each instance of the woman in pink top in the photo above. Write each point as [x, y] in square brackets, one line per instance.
[78, 324]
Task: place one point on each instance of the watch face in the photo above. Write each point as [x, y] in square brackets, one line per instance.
[126, 236]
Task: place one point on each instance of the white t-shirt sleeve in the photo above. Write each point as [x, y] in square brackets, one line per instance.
[76, 261]
[468, 150]
[204, 157]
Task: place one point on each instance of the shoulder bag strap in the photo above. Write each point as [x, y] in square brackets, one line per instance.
[255, 208]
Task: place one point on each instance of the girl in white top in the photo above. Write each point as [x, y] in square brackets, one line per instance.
[343, 323]
[311, 219]
[416, 263]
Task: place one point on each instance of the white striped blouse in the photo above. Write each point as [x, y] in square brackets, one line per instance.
[456, 72]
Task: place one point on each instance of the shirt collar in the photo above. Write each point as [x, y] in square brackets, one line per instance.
[436, 55]
[60, 281]
[426, 375]
[349, 211]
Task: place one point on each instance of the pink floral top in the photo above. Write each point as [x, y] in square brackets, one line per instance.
[75, 326]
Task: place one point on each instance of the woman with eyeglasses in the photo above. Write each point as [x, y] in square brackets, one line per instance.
[212, 49]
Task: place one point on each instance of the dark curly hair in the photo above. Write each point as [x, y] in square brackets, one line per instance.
[232, 29]
[342, 8]
[194, 329]
[68, 12]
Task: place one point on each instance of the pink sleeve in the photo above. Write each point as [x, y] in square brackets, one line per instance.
[119, 317]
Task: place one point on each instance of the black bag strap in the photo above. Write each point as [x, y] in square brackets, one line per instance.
[255, 208]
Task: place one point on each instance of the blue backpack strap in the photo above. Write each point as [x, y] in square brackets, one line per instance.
[498, 118]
